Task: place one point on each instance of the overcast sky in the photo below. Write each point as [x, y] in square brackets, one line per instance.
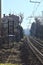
[23, 6]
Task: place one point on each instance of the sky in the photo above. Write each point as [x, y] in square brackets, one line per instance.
[25, 7]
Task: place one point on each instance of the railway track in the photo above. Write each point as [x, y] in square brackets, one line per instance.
[35, 49]
[13, 54]
[38, 41]
[37, 44]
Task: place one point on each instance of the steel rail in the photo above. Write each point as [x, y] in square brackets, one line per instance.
[40, 41]
[38, 46]
[37, 42]
[35, 51]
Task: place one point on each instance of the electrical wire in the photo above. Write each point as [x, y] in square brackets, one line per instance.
[33, 12]
[36, 7]
[34, 1]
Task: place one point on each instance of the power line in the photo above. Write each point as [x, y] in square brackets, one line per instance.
[35, 10]
[34, 1]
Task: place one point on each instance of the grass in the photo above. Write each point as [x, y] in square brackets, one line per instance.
[9, 64]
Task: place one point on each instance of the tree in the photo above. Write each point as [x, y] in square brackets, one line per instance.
[37, 29]
[33, 28]
[37, 26]
[21, 17]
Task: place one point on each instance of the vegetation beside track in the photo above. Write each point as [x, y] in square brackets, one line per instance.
[9, 64]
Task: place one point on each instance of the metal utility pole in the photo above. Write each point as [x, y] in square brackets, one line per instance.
[0, 10]
[0, 17]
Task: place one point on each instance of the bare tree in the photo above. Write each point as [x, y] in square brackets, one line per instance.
[21, 17]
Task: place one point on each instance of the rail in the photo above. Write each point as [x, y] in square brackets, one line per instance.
[37, 41]
[35, 51]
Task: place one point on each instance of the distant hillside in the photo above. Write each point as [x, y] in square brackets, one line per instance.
[26, 31]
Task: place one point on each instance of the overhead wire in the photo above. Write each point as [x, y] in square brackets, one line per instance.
[33, 12]
[36, 7]
[34, 1]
